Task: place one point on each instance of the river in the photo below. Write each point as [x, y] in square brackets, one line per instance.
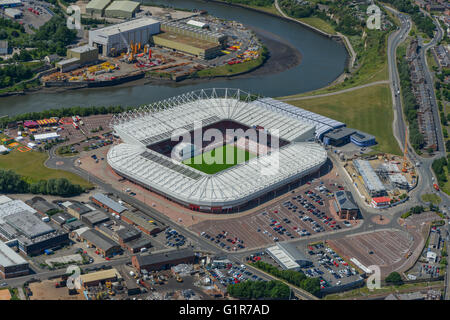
[322, 61]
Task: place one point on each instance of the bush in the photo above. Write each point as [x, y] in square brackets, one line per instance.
[394, 278]
[259, 290]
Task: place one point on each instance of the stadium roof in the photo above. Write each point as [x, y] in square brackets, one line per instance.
[150, 124]
[322, 124]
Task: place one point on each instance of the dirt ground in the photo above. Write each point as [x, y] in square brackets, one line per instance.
[46, 290]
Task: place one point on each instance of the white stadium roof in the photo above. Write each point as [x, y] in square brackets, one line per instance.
[258, 176]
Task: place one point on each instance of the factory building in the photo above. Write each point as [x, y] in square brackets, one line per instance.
[10, 3]
[62, 218]
[95, 278]
[122, 9]
[19, 221]
[103, 244]
[142, 222]
[133, 240]
[77, 209]
[163, 261]
[103, 201]
[41, 205]
[189, 39]
[372, 182]
[345, 205]
[288, 256]
[97, 7]
[11, 264]
[116, 38]
[13, 13]
[77, 57]
[94, 218]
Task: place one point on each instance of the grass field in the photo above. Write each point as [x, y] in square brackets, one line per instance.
[31, 166]
[219, 159]
[319, 24]
[367, 109]
[431, 197]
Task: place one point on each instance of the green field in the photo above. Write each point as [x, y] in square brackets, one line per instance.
[367, 109]
[431, 197]
[219, 159]
[31, 165]
[319, 24]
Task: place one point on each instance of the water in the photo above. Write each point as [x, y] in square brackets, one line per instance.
[323, 60]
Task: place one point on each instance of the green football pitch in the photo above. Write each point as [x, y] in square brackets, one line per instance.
[219, 159]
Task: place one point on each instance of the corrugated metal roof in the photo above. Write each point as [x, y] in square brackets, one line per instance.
[127, 6]
[100, 197]
[8, 257]
[97, 4]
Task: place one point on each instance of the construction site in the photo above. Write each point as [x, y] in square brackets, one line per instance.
[155, 48]
[381, 180]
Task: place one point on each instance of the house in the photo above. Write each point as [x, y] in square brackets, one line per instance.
[345, 205]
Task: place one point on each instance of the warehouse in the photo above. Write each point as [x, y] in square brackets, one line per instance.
[142, 222]
[11, 264]
[345, 205]
[94, 218]
[116, 38]
[62, 218]
[107, 203]
[85, 54]
[187, 44]
[10, 3]
[18, 221]
[97, 7]
[13, 13]
[136, 245]
[95, 278]
[122, 9]
[103, 244]
[73, 225]
[77, 209]
[288, 256]
[163, 261]
[41, 205]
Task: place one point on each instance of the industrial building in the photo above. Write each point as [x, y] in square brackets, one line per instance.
[342, 136]
[122, 9]
[97, 7]
[163, 261]
[107, 203]
[18, 221]
[95, 278]
[41, 205]
[345, 205]
[93, 218]
[77, 209]
[372, 182]
[13, 13]
[288, 256]
[142, 222]
[103, 244]
[12, 264]
[189, 39]
[229, 189]
[116, 38]
[46, 136]
[10, 3]
[77, 57]
[73, 225]
[62, 218]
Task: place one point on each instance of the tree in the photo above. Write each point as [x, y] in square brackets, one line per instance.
[394, 278]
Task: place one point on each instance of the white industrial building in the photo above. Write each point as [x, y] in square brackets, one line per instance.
[227, 189]
[288, 256]
[118, 37]
[46, 136]
[13, 13]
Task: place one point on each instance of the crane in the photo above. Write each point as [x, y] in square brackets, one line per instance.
[404, 169]
[124, 40]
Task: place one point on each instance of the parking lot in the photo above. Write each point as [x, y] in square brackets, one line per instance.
[388, 249]
[300, 213]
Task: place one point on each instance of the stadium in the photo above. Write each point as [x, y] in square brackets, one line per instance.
[218, 150]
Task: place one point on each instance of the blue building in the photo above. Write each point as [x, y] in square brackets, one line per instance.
[343, 136]
[10, 3]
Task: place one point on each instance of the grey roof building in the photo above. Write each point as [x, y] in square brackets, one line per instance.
[3, 47]
[288, 256]
[94, 217]
[128, 234]
[108, 203]
[11, 263]
[74, 225]
[41, 205]
[345, 200]
[62, 218]
[163, 260]
[100, 241]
